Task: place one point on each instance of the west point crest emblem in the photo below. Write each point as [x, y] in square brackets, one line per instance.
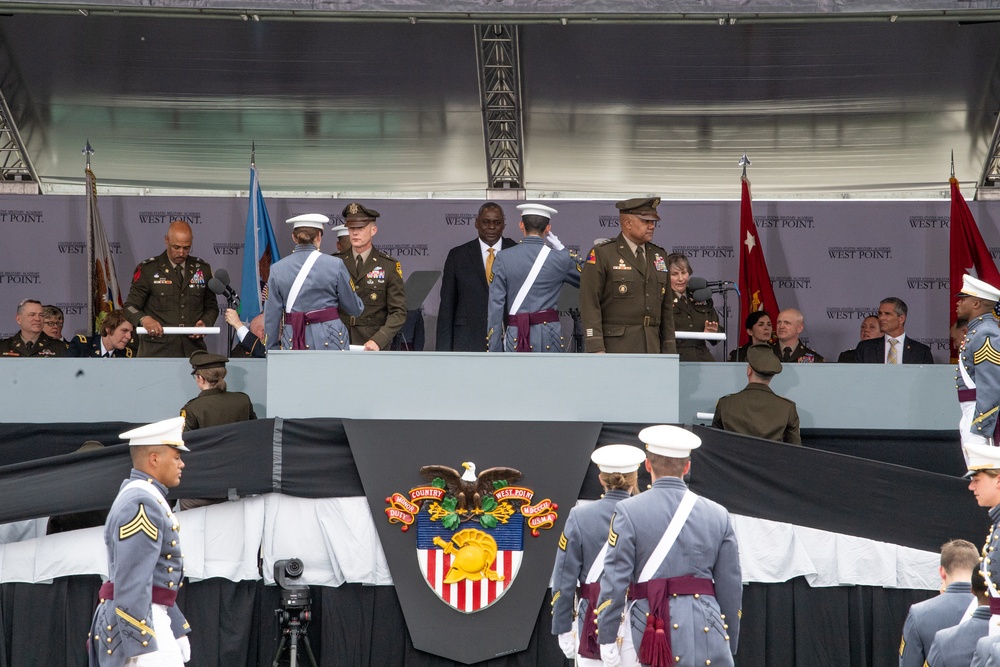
[470, 530]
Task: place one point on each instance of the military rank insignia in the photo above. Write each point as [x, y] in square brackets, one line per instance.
[470, 530]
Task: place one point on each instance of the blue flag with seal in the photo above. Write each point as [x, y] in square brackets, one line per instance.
[260, 251]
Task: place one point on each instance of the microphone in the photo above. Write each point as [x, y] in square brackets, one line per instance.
[696, 283]
[219, 287]
[702, 294]
[223, 276]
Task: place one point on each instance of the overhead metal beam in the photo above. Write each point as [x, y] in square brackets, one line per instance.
[499, 59]
[15, 106]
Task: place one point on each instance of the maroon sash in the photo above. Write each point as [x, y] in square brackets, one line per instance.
[589, 648]
[966, 395]
[164, 596]
[994, 606]
[300, 320]
[655, 648]
[523, 322]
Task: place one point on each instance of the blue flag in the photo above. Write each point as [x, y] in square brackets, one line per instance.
[260, 251]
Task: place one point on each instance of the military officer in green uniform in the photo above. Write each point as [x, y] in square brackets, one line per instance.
[31, 341]
[171, 290]
[757, 410]
[378, 281]
[624, 303]
[690, 314]
[214, 405]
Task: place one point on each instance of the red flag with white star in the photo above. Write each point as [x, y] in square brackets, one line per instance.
[756, 292]
[969, 253]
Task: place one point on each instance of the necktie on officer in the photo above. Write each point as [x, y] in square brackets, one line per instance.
[359, 265]
[892, 358]
[786, 354]
[489, 264]
[29, 346]
[640, 255]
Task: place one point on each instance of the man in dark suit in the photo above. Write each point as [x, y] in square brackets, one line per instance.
[465, 285]
[894, 346]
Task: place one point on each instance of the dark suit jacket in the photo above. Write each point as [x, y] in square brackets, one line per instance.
[250, 346]
[465, 297]
[872, 351]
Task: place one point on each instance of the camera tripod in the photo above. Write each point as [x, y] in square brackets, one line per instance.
[293, 625]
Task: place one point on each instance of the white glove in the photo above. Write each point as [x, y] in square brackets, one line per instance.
[567, 642]
[132, 662]
[185, 645]
[610, 655]
[555, 242]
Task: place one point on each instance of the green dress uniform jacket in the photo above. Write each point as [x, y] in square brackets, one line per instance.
[214, 407]
[691, 315]
[173, 300]
[759, 412]
[45, 346]
[624, 305]
[379, 284]
[800, 355]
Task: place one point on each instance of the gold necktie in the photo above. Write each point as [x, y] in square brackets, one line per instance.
[489, 265]
[892, 359]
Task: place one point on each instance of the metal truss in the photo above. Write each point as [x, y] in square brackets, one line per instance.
[991, 167]
[15, 108]
[499, 60]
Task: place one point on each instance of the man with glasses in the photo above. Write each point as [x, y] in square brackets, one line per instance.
[465, 284]
[31, 341]
[623, 289]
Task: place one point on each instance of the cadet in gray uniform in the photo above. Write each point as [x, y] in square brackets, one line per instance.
[689, 587]
[756, 410]
[978, 377]
[580, 558]
[958, 559]
[534, 325]
[136, 621]
[954, 646]
[309, 318]
[984, 481]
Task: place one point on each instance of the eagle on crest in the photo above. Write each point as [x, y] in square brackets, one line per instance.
[468, 487]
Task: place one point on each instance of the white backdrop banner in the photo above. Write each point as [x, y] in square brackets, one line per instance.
[833, 260]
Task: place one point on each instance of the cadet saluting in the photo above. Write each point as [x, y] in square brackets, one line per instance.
[683, 605]
[136, 621]
[580, 559]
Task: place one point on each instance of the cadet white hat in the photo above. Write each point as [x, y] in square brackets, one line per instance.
[341, 230]
[981, 457]
[536, 209]
[166, 432]
[315, 220]
[979, 288]
[618, 458]
[672, 441]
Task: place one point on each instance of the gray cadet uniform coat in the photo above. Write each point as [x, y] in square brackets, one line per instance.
[143, 551]
[980, 356]
[174, 301]
[328, 285]
[510, 270]
[990, 563]
[624, 306]
[705, 548]
[987, 652]
[954, 646]
[927, 617]
[584, 536]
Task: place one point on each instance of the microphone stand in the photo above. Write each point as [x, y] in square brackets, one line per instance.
[725, 290]
[234, 303]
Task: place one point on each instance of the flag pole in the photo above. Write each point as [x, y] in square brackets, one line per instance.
[953, 163]
[88, 183]
[745, 162]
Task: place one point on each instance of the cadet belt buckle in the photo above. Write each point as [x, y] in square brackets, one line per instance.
[645, 321]
[353, 320]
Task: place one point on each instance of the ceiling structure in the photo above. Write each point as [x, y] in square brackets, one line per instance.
[603, 106]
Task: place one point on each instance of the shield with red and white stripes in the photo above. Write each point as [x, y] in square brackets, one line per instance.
[466, 595]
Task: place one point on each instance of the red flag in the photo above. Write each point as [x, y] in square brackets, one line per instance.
[969, 253]
[756, 292]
